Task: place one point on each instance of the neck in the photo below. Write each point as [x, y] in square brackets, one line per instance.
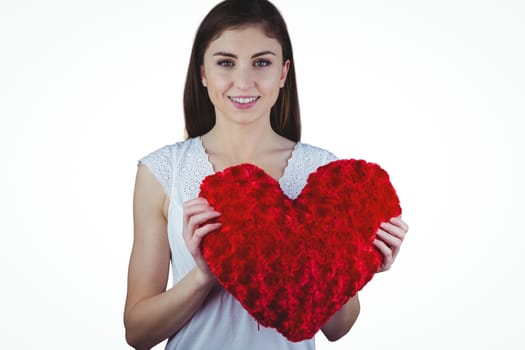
[240, 142]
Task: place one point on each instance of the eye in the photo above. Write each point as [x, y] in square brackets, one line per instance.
[262, 63]
[225, 63]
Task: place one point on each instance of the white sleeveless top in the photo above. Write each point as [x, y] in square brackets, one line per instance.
[221, 322]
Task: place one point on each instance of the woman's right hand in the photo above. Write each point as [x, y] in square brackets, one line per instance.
[196, 216]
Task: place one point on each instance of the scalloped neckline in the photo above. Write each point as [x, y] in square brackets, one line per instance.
[285, 172]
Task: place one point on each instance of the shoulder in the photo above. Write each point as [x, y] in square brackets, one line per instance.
[316, 154]
[163, 162]
[167, 152]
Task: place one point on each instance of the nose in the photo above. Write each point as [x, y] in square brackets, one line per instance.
[244, 78]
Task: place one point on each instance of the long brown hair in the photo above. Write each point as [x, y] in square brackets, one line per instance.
[199, 112]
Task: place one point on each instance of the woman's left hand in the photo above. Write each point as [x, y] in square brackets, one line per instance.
[388, 241]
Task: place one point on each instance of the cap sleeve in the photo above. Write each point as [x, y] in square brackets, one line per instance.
[161, 165]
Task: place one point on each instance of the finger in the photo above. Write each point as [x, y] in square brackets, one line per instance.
[398, 221]
[202, 231]
[199, 219]
[191, 205]
[194, 204]
[195, 216]
[203, 217]
[386, 252]
[198, 200]
[394, 230]
[193, 222]
[390, 240]
[196, 239]
[191, 209]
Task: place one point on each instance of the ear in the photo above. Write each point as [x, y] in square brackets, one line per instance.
[203, 77]
[284, 73]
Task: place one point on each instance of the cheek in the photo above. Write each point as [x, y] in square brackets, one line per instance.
[269, 82]
[218, 83]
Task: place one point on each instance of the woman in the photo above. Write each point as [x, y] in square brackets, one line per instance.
[240, 107]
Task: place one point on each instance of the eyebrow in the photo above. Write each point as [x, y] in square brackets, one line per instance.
[227, 54]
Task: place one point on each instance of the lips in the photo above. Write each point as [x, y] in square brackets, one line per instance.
[243, 102]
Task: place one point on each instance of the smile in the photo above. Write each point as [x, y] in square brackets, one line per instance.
[243, 100]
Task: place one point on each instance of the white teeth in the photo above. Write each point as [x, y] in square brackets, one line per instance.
[243, 99]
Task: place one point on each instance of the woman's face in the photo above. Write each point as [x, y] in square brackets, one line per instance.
[243, 71]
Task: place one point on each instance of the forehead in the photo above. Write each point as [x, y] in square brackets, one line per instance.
[247, 39]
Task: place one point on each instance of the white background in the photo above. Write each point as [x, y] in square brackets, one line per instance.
[431, 90]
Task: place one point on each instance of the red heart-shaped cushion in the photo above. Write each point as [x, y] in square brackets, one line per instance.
[293, 263]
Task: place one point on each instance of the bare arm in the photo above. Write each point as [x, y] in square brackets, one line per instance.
[343, 320]
[151, 313]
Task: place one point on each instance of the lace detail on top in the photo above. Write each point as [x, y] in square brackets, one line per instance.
[305, 160]
[184, 165]
[161, 165]
[194, 168]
